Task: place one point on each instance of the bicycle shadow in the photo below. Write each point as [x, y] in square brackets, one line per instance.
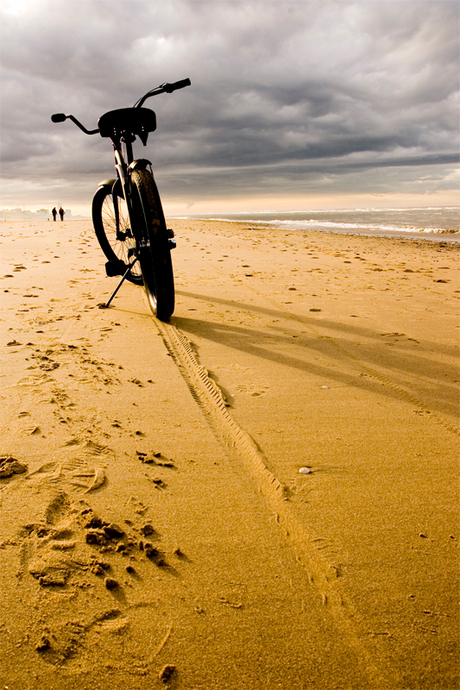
[400, 361]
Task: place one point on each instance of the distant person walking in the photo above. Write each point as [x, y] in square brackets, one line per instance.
[54, 212]
[61, 213]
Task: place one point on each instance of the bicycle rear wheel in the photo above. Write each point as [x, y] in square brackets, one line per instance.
[153, 245]
[116, 238]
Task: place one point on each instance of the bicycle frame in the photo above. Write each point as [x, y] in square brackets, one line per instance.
[124, 179]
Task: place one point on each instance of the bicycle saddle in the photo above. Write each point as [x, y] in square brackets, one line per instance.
[138, 121]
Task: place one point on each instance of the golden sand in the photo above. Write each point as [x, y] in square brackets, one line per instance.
[261, 494]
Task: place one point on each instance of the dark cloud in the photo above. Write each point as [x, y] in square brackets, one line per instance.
[333, 96]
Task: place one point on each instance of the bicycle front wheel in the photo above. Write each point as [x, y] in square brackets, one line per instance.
[113, 231]
[153, 246]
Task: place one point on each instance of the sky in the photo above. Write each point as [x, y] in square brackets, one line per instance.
[294, 105]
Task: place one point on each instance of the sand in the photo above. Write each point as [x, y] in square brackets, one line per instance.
[155, 527]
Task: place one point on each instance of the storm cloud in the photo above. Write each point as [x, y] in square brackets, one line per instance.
[288, 99]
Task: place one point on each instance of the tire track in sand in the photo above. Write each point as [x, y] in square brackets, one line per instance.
[242, 448]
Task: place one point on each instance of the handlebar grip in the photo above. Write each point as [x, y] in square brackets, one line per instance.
[58, 117]
[169, 88]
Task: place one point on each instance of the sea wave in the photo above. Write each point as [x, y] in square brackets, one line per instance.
[339, 226]
[433, 222]
[374, 227]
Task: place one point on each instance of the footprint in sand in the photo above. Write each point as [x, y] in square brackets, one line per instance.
[76, 474]
[50, 566]
[58, 558]
[73, 543]
[255, 391]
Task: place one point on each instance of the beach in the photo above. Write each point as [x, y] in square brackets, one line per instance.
[260, 494]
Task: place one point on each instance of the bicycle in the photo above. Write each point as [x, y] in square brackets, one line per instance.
[127, 214]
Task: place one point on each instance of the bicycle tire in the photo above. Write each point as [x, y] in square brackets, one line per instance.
[153, 245]
[117, 246]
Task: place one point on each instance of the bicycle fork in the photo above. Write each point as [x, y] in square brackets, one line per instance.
[122, 177]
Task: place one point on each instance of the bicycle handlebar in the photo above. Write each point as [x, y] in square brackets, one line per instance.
[182, 83]
[163, 88]
[61, 117]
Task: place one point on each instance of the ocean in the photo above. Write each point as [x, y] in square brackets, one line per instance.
[439, 224]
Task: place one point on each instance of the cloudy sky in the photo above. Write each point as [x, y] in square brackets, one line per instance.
[293, 104]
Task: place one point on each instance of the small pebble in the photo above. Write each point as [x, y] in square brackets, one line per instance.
[43, 644]
[152, 552]
[110, 583]
[147, 530]
[97, 570]
[167, 672]
[305, 470]
[113, 531]
[10, 466]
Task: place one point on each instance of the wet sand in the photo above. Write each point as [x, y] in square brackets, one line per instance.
[155, 529]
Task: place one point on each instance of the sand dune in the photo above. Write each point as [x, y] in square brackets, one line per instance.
[261, 494]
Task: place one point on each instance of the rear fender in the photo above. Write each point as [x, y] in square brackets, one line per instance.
[113, 186]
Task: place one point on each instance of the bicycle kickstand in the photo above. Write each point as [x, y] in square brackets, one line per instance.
[124, 276]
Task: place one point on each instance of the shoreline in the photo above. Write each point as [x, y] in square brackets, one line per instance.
[392, 222]
[428, 236]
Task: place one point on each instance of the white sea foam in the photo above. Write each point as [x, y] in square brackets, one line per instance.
[431, 223]
[372, 227]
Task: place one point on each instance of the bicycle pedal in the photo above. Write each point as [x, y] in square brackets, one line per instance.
[115, 268]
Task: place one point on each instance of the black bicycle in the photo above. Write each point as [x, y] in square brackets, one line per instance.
[127, 214]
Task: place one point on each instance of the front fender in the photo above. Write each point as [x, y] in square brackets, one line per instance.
[141, 164]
